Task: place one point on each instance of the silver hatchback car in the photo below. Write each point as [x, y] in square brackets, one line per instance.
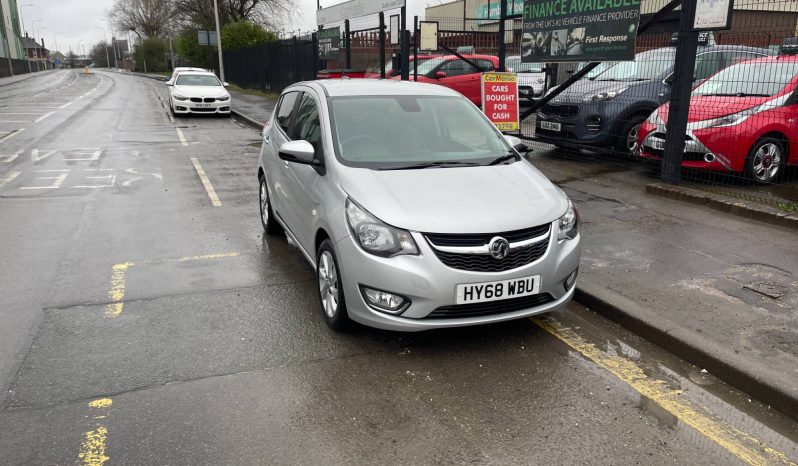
[415, 212]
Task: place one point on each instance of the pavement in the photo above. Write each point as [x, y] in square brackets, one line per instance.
[147, 320]
[5, 81]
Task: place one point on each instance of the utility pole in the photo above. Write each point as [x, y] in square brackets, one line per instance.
[218, 40]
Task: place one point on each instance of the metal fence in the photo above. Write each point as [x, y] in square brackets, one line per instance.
[14, 67]
[739, 104]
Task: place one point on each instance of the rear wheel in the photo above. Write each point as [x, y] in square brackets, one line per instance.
[331, 291]
[270, 225]
[626, 141]
[766, 160]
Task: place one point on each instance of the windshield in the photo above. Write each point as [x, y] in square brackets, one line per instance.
[651, 65]
[391, 131]
[429, 65]
[197, 80]
[514, 65]
[750, 79]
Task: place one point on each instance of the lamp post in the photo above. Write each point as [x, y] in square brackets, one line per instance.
[143, 58]
[25, 33]
[218, 40]
[105, 46]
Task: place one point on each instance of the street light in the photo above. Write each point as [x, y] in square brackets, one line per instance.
[143, 58]
[25, 47]
[218, 41]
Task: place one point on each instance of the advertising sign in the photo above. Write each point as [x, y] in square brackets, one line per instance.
[206, 37]
[394, 22]
[489, 12]
[500, 99]
[428, 30]
[329, 42]
[579, 30]
[355, 8]
[712, 14]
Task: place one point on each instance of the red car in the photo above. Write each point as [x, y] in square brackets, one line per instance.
[391, 72]
[457, 74]
[743, 119]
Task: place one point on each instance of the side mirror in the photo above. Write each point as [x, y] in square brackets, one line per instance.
[440, 74]
[517, 144]
[668, 80]
[226, 84]
[301, 152]
[169, 83]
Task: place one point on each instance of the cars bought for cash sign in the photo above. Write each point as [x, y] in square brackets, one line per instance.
[579, 30]
[500, 99]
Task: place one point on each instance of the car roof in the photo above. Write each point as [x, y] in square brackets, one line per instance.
[773, 59]
[708, 48]
[197, 73]
[374, 87]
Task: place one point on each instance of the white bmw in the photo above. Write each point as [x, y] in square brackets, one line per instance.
[198, 92]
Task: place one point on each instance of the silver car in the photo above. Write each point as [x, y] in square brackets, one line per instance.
[415, 212]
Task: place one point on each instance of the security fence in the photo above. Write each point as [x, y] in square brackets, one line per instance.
[728, 93]
[14, 67]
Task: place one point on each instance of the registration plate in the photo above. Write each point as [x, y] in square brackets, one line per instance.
[495, 291]
[202, 105]
[657, 144]
[550, 125]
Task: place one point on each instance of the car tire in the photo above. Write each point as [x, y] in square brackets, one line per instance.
[267, 219]
[331, 293]
[172, 108]
[626, 142]
[766, 160]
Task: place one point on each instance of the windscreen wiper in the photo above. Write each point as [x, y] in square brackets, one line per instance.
[503, 158]
[436, 164]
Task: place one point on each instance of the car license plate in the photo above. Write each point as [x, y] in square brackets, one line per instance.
[550, 125]
[494, 291]
[658, 144]
[202, 105]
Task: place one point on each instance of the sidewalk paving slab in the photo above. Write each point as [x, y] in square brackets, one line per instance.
[718, 290]
[8, 80]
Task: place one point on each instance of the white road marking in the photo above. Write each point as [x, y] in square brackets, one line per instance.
[206, 182]
[11, 134]
[182, 138]
[43, 117]
[93, 153]
[67, 104]
[34, 154]
[8, 158]
[110, 177]
[8, 179]
[16, 121]
[59, 180]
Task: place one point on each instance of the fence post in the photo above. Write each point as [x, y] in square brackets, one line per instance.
[502, 46]
[382, 45]
[348, 45]
[681, 87]
[405, 57]
[415, 47]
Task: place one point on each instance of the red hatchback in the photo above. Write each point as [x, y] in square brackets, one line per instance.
[743, 119]
[455, 73]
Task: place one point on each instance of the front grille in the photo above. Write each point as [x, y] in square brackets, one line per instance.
[480, 239]
[460, 311]
[196, 99]
[203, 109]
[566, 110]
[485, 263]
[210, 99]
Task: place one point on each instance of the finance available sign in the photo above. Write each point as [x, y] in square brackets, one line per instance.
[500, 99]
[579, 30]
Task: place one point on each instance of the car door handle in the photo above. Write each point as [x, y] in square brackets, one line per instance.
[661, 95]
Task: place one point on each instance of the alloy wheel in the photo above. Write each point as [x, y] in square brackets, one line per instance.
[631, 138]
[766, 162]
[328, 284]
[264, 202]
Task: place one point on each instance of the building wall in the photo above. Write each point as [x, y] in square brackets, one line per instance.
[9, 29]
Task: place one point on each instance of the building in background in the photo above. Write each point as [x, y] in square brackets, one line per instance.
[11, 44]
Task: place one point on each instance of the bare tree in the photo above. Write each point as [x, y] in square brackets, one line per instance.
[149, 17]
[270, 13]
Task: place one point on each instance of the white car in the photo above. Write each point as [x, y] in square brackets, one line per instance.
[198, 92]
[531, 77]
[181, 69]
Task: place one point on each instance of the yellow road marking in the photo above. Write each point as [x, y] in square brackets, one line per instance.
[740, 444]
[181, 136]
[116, 293]
[93, 448]
[206, 182]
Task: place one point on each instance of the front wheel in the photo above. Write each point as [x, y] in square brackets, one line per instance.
[331, 291]
[627, 139]
[270, 225]
[766, 160]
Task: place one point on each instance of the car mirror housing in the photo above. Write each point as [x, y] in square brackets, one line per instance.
[516, 143]
[301, 152]
[440, 74]
[169, 83]
[226, 84]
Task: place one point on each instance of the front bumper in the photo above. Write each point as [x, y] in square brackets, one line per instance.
[704, 148]
[202, 108]
[429, 284]
[589, 123]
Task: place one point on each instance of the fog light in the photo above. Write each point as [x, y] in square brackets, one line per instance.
[384, 301]
[569, 282]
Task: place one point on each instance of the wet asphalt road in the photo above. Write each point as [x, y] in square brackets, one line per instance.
[142, 324]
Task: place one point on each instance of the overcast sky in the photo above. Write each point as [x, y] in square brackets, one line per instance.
[78, 21]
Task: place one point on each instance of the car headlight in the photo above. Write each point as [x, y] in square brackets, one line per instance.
[223, 98]
[602, 96]
[568, 223]
[654, 118]
[179, 97]
[733, 119]
[375, 236]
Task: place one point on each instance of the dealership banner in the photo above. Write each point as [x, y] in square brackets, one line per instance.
[579, 30]
[329, 42]
[500, 99]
